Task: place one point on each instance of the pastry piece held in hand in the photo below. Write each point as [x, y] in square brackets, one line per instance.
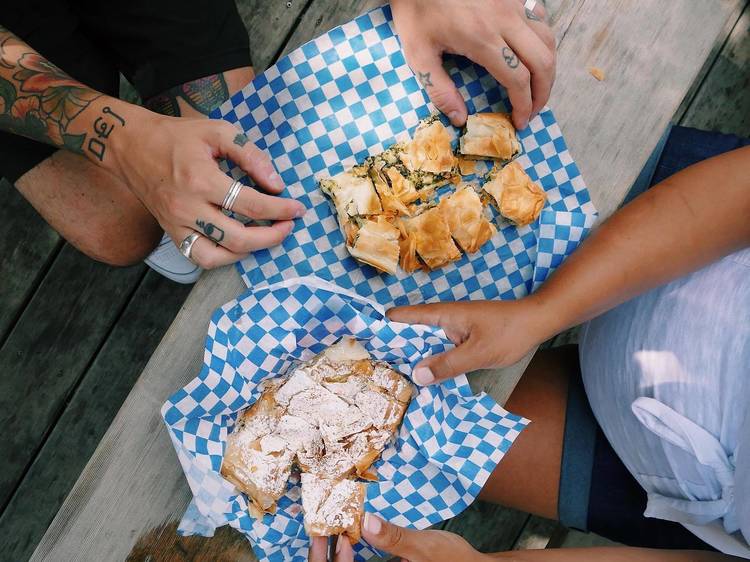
[517, 197]
[464, 213]
[433, 241]
[255, 460]
[376, 244]
[490, 136]
[332, 507]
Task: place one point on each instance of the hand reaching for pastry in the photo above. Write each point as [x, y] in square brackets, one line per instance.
[486, 333]
[408, 544]
[513, 43]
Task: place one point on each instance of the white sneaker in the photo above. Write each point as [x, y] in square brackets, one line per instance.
[167, 260]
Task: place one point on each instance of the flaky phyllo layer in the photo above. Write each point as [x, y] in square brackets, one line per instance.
[331, 418]
[387, 206]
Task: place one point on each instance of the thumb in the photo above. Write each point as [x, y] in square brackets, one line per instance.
[388, 537]
[427, 63]
[461, 359]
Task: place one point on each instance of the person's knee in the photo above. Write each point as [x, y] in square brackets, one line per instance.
[125, 241]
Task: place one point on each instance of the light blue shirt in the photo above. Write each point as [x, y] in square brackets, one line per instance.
[668, 378]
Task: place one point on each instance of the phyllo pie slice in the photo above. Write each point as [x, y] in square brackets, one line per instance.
[429, 156]
[433, 240]
[490, 136]
[353, 193]
[255, 460]
[517, 197]
[376, 244]
[464, 213]
[332, 507]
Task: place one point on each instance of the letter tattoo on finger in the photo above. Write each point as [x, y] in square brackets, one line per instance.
[424, 78]
[510, 57]
[211, 231]
[241, 139]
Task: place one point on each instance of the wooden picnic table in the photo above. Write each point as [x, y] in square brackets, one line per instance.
[127, 502]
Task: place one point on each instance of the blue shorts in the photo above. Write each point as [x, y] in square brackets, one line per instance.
[597, 493]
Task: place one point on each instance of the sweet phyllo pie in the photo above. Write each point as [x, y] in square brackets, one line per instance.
[331, 417]
[332, 507]
[464, 214]
[517, 197]
[392, 214]
[490, 136]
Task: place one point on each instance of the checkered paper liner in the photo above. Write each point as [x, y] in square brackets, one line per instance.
[349, 94]
[449, 442]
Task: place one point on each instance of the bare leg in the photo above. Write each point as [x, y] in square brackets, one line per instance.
[93, 209]
[528, 477]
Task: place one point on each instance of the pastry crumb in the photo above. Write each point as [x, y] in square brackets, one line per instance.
[597, 73]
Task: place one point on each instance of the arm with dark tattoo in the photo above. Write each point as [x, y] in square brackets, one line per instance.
[40, 101]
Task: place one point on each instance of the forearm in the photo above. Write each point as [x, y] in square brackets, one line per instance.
[612, 554]
[41, 102]
[678, 226]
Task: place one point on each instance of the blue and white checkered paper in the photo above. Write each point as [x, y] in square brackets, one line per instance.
[449, 442]
[349, 94]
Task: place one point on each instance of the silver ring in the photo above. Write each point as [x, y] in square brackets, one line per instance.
[530, 5]
[186, 246]
[231, 196]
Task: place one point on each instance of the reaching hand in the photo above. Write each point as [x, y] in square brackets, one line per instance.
[511, 42]
[171, 165]
[411, 545]
[486, 333]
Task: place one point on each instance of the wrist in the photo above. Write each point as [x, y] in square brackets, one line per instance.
[545, 320]
[114, 129]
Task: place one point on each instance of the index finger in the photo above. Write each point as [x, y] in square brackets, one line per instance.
[430, 314]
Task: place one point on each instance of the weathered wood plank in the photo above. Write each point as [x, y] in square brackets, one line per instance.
[89, 526]
[722, 103]
[26, 245]
[49, 349]
[76, 434]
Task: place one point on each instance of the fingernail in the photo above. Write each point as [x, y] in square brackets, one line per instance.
[454, 116]
[275, 180]
[300, 212]
[423, 376]
[339, 542]
[372, 524]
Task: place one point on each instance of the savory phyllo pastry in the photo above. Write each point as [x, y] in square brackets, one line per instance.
[517, 197]
[490, 136]
[353, 193]
[432, 238]
[331, 417]
[464, 214]
[430, 150]
[376, 243]
[332, 507]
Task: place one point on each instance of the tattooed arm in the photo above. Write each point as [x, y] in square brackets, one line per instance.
[512, 42]
[170, 164]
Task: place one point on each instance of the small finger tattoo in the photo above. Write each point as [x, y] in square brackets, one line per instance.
[532, 16]
[510, 57]
[424, 78]
[241, 139]
[211, 231]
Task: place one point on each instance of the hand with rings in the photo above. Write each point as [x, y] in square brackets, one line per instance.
[173, 170]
